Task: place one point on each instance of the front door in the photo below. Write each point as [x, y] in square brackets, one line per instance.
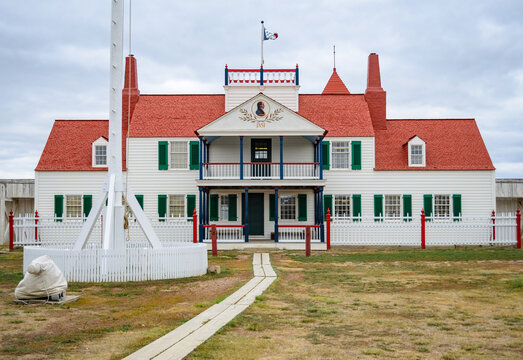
[261, 153]
[255, 213]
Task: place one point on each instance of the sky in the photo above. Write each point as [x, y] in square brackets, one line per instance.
[438, 59]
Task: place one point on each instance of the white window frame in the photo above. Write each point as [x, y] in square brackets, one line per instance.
[66, 207]
[341, 197]
[170, 199]
[282, 215]
[334, 154]
[387, 199]
[437, 198]
[101, 141]
[417, 141]
[224, 212]
[172, 154]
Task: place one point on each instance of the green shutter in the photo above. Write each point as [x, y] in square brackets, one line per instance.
[325, 153]
[407, 207]
[194, 155]
[88, 204]
[378, 207]
[327, 205]
[191, 205]
[356, 205]
[163, 150]
[139, 198]
[456, 207]
[214, 207]
[272, 199]
[58, 206]
[302, 207]
[233, 205]
[427, 206]
[162, 206]
[356, 155]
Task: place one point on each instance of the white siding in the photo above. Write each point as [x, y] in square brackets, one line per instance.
[285, 95]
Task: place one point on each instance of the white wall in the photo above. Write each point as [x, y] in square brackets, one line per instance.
[285, 95]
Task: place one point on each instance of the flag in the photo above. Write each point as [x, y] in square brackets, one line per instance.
[268, 35]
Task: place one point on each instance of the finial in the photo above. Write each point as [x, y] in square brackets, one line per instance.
[334, 53]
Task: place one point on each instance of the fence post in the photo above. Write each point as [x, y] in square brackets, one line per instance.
[36, 225]
[328, 229]
[194, 227]
[518, 228]
[307, 241]
[493, 225]
[423, 229]
[214, 237]
[11, 231]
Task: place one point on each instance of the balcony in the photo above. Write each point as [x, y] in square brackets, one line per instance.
[261, 171]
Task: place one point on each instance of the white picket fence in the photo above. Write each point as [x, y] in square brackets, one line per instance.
[62, 234]
[438, 231]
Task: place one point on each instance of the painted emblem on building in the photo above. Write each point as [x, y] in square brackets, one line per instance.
[261, 113]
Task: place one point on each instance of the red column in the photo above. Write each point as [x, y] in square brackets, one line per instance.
[214, 237]
[518, 228]
[493, 225]
[328, 229]
[11, 231]
[36, 225]
[194, 227]
[423, 229]
[307, 241]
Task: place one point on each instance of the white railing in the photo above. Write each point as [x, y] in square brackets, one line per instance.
[301, 170]
[251, 77]
[62, 234]
[438, 231]
[260, 170]
[225, 234]
[221, 170]
[297, 234]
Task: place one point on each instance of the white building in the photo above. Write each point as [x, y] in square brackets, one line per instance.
[264, 155]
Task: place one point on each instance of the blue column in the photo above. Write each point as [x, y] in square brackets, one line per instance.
[246, 210]
[241, 157]
[201, 158]
[281, 157]
[261, 75]
[315, 157]
[226, 75]
[297, 75]
[275, 214]
[322, 224]
[315, 206]
[200, 215]
[320, 145]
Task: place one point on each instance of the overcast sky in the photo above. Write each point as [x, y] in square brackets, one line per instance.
[438, 59]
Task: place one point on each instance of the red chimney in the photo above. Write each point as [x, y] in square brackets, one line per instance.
[375, 96]
[130, 96]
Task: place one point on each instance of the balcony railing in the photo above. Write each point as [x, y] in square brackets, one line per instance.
[261, 76]
[261, 170]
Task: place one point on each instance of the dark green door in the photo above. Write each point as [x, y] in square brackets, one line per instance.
[255, 213]
[261, 156]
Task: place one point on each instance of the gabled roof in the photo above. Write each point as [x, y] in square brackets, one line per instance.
[335, 85]
[69, 146]
[451, 144]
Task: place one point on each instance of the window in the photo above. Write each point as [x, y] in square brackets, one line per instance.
[288, 207]
[342, 206]
[340, 154]
[100, 155]
[392, 206]
[176, 205]
[224, 207]
[73, 205]
[416, 152]
[442, 206]
[179, 154]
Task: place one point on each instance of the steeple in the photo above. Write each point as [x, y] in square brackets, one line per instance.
[375, 96]
[335, 85]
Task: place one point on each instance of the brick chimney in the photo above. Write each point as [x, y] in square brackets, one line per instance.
[375, 96]
[130, 96]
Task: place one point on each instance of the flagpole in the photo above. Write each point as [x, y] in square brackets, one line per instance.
[262, 37]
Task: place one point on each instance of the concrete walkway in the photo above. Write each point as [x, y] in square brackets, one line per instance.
[184, 339]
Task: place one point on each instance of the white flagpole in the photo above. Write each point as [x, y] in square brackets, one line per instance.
[262, 37]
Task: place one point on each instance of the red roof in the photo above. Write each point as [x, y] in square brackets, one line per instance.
[340, 115]
[69, 146]
[335, 85]
[451, 144]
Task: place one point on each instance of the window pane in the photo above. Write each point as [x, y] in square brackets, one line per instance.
[442, 206]
[224, 207]
[342, 205]
[288, 207]
[74, 205]
[176, 205]
[392, 206]
[340, 154]
[100, 152]
[416, 154]
[179, 154]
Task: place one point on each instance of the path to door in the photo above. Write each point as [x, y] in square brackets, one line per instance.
[184, 339]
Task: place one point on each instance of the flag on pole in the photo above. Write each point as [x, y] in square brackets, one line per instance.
[268, 35]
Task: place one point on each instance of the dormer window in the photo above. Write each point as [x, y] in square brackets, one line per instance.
[417, 156]
[99, 152]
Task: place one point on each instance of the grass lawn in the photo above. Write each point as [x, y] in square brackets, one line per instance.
[342, 304]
